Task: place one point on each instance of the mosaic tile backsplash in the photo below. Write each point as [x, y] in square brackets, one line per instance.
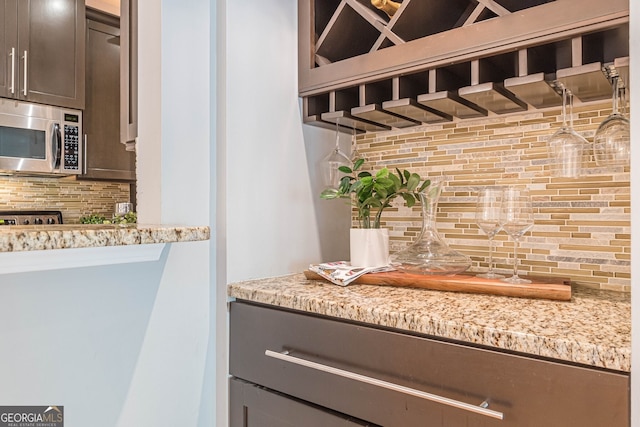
[73, 198]
[582, 225]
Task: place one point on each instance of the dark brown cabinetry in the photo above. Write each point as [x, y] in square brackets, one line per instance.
[389, 378]
[254, 406]
[43, 50]
[105, 156]
[429, 61]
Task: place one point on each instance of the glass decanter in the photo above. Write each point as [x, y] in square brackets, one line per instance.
[429, 254]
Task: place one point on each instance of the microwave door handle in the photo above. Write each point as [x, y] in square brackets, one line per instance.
[56, 145]
[12, 54]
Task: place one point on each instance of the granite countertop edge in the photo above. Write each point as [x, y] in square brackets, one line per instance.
[592, 329]
[65, 236]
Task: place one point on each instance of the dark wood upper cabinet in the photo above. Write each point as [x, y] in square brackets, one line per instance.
[105, 157]
[43, 51]
[9, 46]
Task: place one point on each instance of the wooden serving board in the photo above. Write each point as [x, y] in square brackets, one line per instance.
[552, 288]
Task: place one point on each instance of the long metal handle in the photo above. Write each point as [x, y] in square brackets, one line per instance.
[84, 155]
[12, 89]
[478, 409]
[24, 90]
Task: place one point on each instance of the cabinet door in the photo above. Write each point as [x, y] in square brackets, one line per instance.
[105, 156]
[253, 406]
[129, 73]
[51, 48]
[8, 46]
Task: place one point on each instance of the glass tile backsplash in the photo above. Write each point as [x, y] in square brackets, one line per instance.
[582, 225]
[73, 198]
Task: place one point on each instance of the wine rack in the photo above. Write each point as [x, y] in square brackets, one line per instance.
[434, 61]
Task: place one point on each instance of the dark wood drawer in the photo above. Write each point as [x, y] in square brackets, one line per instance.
[526, 391]
[254, 406]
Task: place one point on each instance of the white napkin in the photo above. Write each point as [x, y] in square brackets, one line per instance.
[342, 273]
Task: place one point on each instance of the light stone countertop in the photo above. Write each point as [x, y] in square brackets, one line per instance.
[64, 236]
[594, 328]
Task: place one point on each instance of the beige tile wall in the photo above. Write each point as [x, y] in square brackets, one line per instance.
[582, 225]
[72, 197]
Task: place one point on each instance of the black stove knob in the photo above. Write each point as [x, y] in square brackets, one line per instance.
[51, 221]
[38, 221]
[26, 222]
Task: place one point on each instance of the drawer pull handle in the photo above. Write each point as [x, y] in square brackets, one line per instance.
[478, 409]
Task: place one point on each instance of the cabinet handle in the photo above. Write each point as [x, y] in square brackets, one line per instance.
[24, 90]
[12, 89]
[84, 155]
[478, 409]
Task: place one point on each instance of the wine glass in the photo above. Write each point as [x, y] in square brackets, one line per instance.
[516, 218]
[332, 163]
[611, 143]
[355, 155]
[566, 146]
[488, 219]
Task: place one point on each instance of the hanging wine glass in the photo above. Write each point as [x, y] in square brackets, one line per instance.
[488, 219]
[566, 146]
[516, 218]
[331, 163]
[355, 155]
[611, 143]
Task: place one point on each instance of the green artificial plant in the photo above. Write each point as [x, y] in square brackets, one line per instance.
[371, 193]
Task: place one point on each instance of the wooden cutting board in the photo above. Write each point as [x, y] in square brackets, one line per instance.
[552, 288]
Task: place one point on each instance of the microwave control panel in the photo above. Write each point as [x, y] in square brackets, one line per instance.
[71, 154]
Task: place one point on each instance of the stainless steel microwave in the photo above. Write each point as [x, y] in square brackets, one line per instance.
[39, 139]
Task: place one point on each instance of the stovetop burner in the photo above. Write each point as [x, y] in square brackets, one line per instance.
[30, 217]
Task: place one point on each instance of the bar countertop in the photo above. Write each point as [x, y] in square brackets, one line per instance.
[593, 329]
[66, 236]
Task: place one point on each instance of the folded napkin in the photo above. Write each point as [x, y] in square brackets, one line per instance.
[342, 273]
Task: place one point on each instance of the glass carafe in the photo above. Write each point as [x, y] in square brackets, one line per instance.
[429, 254]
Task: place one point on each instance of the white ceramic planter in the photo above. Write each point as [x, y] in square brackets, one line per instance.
[369, 247]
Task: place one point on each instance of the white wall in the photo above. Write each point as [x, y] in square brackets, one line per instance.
[173, 371]
[276, 223]
[73, 337]
[270, 220]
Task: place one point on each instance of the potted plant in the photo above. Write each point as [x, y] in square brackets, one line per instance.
[371, 194]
